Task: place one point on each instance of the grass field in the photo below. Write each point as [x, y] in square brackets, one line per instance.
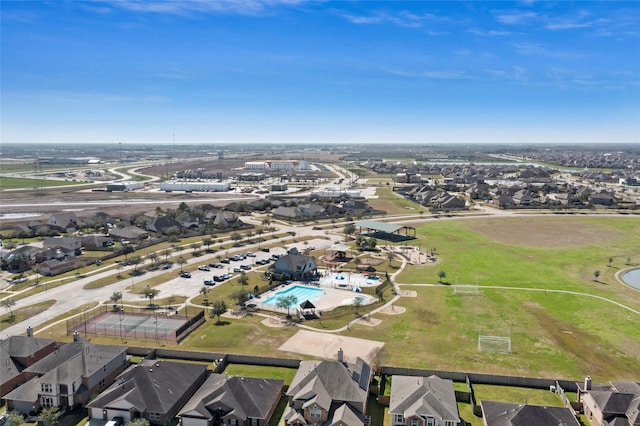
[28, 183]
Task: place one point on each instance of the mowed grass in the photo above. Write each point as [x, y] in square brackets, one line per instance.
[26, 183]
[553, 334]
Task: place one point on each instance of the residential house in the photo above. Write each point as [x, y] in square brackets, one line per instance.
[18, 353]
[524, 197]
[226, 219]
[513, 414]
[161, 225]
[312, 211]
[422, 401]
[64, 222]
[288, 213]
[329, 393]
[130, 233]
[68, 377]
[53, 267]
[153, 390]
[295, 266]
[232, 401]
[93, 242]
[603, 198]
[72, 244]
[617, 403]
[20, 259]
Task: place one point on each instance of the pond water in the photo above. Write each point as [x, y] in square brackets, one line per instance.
[632, 278]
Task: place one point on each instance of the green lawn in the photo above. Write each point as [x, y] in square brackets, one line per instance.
[27, 183]
[278, 373]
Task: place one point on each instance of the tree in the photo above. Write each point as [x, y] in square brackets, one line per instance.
[610, 261]
[135, 261]
[390, 256]
[207, 242]
[441, 275]
[183, 207]
[243, 279]
[286, 302]
[150, 293]
[596, 274]
[218, 308]
[349, 229]
[181, 262]
[378, 355]
[236, 238]
[14, 419]
[138, 422]
[153, 257]
[240, 296]
[8, 304]
[204, 290]
[357, 302]
[115, 298]
[372, 242]
[166, 252]
[49, 416]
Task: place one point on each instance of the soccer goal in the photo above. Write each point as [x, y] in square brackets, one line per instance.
[465, 289]
[494, 344]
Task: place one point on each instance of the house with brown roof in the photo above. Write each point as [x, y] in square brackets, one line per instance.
[153, 390]
[329, 393]
[232, 401]
[16, 354]
[68, 377]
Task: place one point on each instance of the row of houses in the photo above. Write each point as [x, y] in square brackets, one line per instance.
[38, 373]
[316, 210]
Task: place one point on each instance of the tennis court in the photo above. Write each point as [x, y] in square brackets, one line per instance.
[138, 325]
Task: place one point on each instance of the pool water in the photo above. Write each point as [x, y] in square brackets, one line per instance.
[632, 278]
[301, 292]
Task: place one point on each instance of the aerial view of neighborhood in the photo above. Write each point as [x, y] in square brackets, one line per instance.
[319, 213]
[303, 284]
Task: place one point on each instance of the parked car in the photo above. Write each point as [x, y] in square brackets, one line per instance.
[215, 265]
[245, 267]
[218, 278]
[166, 266]
[203, 268]
[237, 269]
[265, 249]
[250, 254]
[185, 274]
[209, 282]
[226, 260]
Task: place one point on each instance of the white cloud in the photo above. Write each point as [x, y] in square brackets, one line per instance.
[188, 7]
[489, 33]
[514, 17]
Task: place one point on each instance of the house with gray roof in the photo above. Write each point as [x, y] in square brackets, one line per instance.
[16, 354]
[422, 401]
[232, 401]
[64, 222]
[153, 390]
[295, 266]
[329, 393]
[607, 405]
[512, 414]
[130, 233]
[68, 377]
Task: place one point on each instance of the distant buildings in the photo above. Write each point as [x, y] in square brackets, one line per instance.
[277, 165]
[195, 186]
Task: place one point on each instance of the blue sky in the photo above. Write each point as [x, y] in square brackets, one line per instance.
[320, 71]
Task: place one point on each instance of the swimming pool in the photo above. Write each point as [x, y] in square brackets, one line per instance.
[343, 279]
[301, 292]
[632, 278]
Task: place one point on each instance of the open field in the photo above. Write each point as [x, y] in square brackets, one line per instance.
[30, 183]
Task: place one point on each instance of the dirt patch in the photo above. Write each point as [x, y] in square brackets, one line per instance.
[324, 345]
[551, 232]
[368, 321]
[408, 293]
[393, 310]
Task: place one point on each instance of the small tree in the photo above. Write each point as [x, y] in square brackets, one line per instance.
[218, 308]
[378, 355]
[349, 229]
[596, 274]
[115, 298]
[610, 261]
[286, 302]
[181, 262]
[140, 421]
[243, 279]
[241, 296]
[441, 276]
[390, 256]
[8, 304]
[49, 416]
[207, 242]
[14, 419]
[357, 302]
[150, 293]
[204, 290]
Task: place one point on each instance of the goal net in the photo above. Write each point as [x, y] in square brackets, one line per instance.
[465, 289]
[494, 344]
